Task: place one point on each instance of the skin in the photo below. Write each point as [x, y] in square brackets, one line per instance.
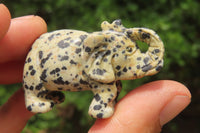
[145, 109]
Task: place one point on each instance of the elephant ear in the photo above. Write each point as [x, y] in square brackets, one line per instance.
[98, 58]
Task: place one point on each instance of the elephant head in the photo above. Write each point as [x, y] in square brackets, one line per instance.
[114, 55]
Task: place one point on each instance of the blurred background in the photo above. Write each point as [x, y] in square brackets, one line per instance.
[177, 22]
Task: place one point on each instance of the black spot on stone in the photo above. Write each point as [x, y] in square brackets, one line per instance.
[97, 63]
[83, 72]
[97, 107]
[83, 82]
[97, 97]
[26, 86]
[100, 115]
[105, 104]
[39, 86]
[40, 54]
[31, 88]
[53, 72]
[64, 68]
[118, 74]
[33, 72]
[105, 59]
[57, 69]
[156, 58]
[146, 68]
[73, 62]
[111, 29]
[106, 39]
[42, 93]
[68, 38]
[96, 86]
[78, 43]
[51, 37]
[60, 81]
[122, 42]
[114, 50]
[86, 66]
[64, 58]
[109, 89]
[112, 38]
[125, 57]
[118, 46]
[138, 66]
[41, 104]
[140, 30]
[158, 68]
[139, 58]
[146, 59]
[83, 37]
[87, 49]
[157, 50]
[118, 22]
[129, 33]
[78, 50]
[111, 95]
[99, 71]
[29, 108]
[145, 35]
[108, 52]
[30, 67]
[125, 69]
[58, 34]
[43, 61]
[109, 99]
[63, 44]
[129, 68]
[118, 67]
[29, 60]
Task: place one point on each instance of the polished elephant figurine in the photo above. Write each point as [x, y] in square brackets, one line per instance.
[72, 60]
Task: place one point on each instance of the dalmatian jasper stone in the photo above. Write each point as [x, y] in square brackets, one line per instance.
[72, 60]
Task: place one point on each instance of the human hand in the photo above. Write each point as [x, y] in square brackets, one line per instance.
[145, 109]
[16, 38]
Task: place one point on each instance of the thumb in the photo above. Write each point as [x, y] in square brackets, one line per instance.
[13, 114]
[146, 109]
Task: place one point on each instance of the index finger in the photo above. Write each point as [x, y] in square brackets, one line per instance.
[5, 20]
[22, 32]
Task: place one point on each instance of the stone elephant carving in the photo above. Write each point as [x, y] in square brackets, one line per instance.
[72, 60]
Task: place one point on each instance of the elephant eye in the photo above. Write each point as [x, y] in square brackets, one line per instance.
[129, 49]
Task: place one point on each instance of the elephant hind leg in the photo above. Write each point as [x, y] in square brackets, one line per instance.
[42, 101]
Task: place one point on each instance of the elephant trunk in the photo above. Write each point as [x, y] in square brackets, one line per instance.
[153, 58]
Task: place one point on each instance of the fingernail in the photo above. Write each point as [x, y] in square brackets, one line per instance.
[173, 108]
[24, 17]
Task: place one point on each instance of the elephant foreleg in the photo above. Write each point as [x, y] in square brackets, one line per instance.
[102, 105]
